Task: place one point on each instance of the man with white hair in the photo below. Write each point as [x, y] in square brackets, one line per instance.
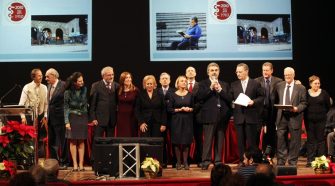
[289, 120]
[56, 125]
[103, 103]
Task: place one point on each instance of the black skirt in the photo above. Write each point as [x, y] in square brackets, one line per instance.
[79, 128]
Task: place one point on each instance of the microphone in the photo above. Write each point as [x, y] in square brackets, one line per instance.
[7, 93]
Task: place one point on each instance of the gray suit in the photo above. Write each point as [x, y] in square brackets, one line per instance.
[290, 122]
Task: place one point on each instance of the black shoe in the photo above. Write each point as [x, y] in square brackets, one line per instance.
[204, 167]
[164, 165]
[199, 165]
[308, 164]
[62, 167]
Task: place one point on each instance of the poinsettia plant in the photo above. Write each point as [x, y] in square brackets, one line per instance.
[321, 163]
[8, 167]
[16, 141]
[151, 165]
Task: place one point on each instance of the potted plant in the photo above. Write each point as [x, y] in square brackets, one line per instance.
[321, 165]
[16, 142]
[150, 167]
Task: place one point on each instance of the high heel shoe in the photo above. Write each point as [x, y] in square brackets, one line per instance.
[186, 166]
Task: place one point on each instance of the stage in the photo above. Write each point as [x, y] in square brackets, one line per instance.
[194, 176]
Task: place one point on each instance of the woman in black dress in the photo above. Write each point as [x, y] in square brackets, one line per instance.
[181, 108]
[315, 119]
[75, 112]
[150, 109]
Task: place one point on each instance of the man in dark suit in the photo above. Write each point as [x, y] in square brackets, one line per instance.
[247, 118]
[103, 103]
[268, 83]
[165, 90]
[215, 100]
[289, 120]
[193, 87]
[56, 126]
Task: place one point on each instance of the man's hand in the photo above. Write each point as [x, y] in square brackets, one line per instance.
[95, 122]
[24, 121]
[44, 123]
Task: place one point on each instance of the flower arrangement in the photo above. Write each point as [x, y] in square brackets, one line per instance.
[321, 163]
[7, 168]
[16, 141]
[150, 165]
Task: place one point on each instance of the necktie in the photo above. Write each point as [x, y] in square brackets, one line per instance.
[267, 92]
[244, 86]
[52, 89]
[287, 96]
[190, 88]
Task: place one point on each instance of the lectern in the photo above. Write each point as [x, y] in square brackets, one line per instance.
[9, 111]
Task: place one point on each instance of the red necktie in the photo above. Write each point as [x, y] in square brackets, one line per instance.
[190, 89]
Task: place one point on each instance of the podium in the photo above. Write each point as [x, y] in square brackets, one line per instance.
[9, 112]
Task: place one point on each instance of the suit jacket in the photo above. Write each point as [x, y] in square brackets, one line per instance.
[195, 88]
[103, 103]
[150, 110]
[249, 114]
[56, 104]
[270, 107]
[298, 99]
[209, 100]
[170, 91]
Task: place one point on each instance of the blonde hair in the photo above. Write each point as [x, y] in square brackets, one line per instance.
[313, 78]
[146, 78]
[178, 79]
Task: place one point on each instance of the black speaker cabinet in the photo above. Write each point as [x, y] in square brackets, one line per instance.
[106, 153]
[285, 170]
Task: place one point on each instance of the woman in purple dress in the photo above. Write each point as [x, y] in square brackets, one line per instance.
[126, 120]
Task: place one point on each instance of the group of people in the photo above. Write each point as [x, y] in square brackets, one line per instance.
[189, 110]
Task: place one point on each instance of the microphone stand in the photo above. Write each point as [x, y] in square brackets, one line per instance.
[6, 94]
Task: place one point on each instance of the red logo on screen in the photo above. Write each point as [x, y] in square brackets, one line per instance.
[222, 10]
[17, 12]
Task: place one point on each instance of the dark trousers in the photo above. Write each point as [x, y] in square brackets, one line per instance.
[58, 143]
[100, 130]
[270, 137]
[246, 137]
[216, 132]
[198, 133]
[316, 144]
[292, 152]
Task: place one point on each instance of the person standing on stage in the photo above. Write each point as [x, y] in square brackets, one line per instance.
[193, 87]
[150, 109]
[247, 118]
[180, 106]
[268, 83]
[56, 127]
[76, 117]
[318, 101]
[289, 120]
[127, 94]
[34, 95]
[215, 100]
[104, 103]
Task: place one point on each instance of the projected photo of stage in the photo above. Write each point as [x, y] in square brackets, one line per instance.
[171, 28]
[263, 32]
[63, 30]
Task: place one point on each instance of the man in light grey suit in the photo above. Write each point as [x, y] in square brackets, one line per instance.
[289, 120]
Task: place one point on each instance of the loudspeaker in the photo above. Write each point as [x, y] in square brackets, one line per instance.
[106, 157]
[285, 170]
[106, 153]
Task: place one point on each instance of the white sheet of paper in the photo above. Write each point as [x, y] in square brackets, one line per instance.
[242, 99]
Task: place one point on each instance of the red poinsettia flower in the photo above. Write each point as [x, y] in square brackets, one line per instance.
[9, 166]
[4, 140]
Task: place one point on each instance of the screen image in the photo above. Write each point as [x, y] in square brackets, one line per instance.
[46, 30]
[202, 30]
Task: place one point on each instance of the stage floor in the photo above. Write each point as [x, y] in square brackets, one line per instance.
[168, 173]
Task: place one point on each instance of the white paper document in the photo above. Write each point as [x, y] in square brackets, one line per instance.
[242, 99]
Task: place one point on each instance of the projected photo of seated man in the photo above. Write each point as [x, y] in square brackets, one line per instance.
[190, 37]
